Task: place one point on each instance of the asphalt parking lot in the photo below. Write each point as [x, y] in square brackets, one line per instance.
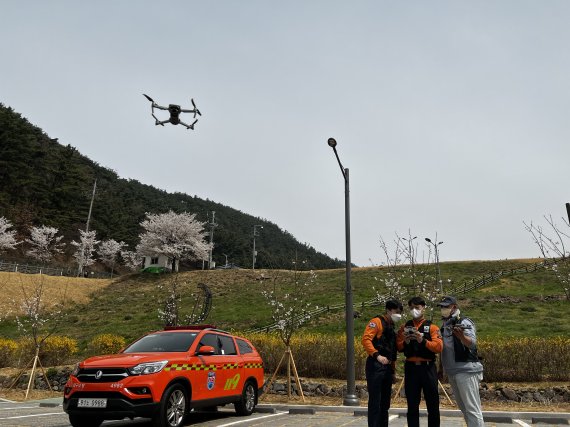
[50, 413]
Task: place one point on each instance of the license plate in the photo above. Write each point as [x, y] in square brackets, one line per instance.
[92, 403]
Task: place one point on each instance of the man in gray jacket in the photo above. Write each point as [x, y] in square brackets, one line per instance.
[460, 361]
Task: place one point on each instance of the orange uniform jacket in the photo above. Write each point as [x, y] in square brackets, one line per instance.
[435, 345]
[374, 330]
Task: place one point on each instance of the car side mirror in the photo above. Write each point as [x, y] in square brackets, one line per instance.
[207, 349]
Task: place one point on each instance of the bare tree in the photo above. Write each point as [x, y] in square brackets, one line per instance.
[7, 236]
[177, 236]
[552, 244]
[404, 274]
[45, 243]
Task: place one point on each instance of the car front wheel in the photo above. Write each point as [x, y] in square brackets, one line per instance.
[248, 400]
[172, 407]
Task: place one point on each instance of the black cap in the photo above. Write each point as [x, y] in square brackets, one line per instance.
[447, 301]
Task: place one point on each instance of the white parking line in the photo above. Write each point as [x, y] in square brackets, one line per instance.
[18, 407]
[6, 400]
[250, 420]
[392, 417]
[35, 415]
[521, 423]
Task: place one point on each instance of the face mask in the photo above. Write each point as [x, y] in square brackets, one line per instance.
[395, 317]
[416, 314]
[445, 312]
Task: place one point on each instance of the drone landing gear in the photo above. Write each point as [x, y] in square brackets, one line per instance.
[188, 126]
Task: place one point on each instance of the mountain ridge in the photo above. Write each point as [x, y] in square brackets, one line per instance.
[43, 182]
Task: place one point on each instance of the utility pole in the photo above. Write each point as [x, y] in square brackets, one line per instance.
[80, 266]
[255, 233]
[212, 226]
[91, 205]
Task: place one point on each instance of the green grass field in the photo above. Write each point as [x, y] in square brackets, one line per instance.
[530, 304]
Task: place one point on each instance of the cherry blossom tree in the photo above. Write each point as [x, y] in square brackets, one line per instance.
[85, 248]
[7, 236]
[176, 236]
[288, 299]
[132, 260]
[45, 243]
[108, 251]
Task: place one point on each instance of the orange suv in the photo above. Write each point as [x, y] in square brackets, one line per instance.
[164, 375]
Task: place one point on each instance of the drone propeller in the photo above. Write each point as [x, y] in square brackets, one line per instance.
[196, 111]
[149, 98]
[192, 125]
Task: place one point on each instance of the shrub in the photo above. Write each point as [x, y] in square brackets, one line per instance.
[8, 349]
[526, 359]
[106, 344]
[504, 359]
[55, 350]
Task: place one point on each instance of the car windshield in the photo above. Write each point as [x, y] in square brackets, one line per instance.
[165, 341]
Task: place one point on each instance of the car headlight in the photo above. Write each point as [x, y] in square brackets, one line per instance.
[75, 370]
[148, 368]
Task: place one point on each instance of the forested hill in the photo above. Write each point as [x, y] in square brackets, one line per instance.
[45, 183]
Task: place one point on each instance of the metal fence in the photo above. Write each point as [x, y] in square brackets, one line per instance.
[50, 271]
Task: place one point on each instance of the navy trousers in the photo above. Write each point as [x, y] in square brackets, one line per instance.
[418, 378]
[379, 383]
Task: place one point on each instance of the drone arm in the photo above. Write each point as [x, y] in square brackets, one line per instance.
[159, 107]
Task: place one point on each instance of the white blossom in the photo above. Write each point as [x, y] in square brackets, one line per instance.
[85, 248]
[7, 237]
[177, 236]
[132, 259]
[44, 243]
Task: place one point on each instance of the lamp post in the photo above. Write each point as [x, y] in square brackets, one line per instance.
[255, 233]
[436, 245]
[350, 399]
[411, 255]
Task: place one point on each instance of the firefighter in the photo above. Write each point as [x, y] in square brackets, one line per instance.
[420, 340]
[379, 341]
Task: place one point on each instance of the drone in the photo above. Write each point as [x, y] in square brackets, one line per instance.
[174, 111]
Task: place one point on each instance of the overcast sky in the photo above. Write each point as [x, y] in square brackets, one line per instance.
[452, 116]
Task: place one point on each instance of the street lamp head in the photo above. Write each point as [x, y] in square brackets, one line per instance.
[332, 142]
[439, 243]
[428, 240]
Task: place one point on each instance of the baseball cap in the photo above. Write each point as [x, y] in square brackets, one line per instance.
[447, 301]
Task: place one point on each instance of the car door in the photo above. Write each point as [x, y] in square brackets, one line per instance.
[233, 366]
[205, 377]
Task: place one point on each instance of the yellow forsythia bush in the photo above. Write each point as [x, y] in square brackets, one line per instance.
[106, 344]
[504, 358]
[55, 350]
[526, 359]
[315, 355]
[8, 349]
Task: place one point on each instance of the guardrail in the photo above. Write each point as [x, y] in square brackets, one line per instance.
[468, 286]
[50, 271]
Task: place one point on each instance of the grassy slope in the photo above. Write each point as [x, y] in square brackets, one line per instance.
[514, 306]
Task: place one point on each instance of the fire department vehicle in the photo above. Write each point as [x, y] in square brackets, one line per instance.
[163, 376]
